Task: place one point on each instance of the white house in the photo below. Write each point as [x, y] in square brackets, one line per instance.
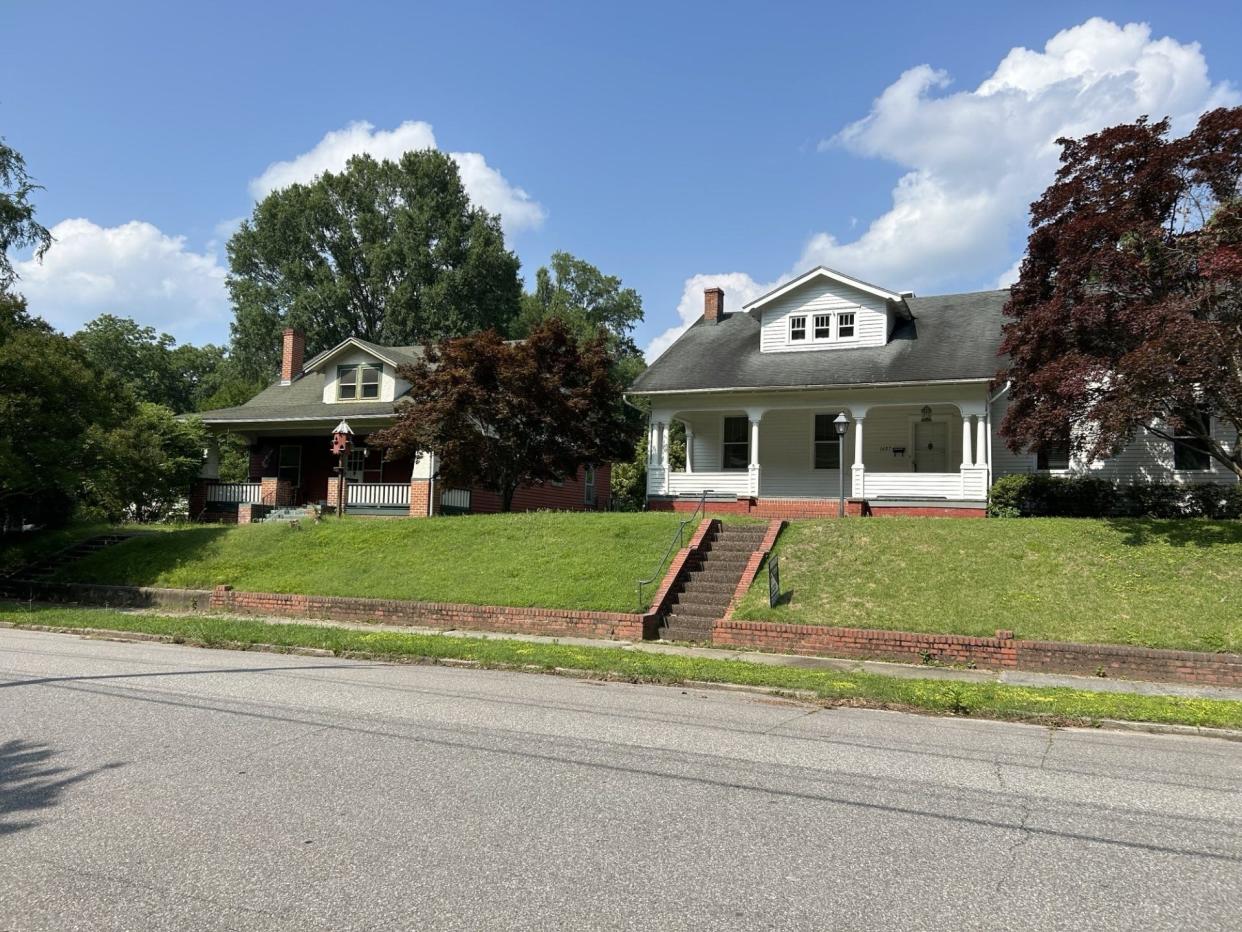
[759, 390]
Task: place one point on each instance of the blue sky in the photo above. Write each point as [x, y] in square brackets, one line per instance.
[675, 145]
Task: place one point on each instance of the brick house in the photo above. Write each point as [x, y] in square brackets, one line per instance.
[288, 428]
[760, 391]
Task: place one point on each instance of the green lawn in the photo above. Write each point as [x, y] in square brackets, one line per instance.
[551, 560]
[1173, 584]
[988, 700]
[16, 550]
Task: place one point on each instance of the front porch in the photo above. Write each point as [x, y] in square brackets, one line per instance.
[784, 458]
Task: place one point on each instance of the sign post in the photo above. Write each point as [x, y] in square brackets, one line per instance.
[774, 581]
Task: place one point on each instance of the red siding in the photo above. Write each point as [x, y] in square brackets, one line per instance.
[567, 497]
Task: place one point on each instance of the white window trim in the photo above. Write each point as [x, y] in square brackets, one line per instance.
[834, 328]
[807, 333]
[588, 484]
[749, 452]
[379, 384]
[1189, 474]
[843, 441]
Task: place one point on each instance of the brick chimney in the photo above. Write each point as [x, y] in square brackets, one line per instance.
[713, 304]
[292, 355]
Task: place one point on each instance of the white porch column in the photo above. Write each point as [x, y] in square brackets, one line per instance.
[981, 440]
[657, 455]
[967, 462]
[858, 483]
[689, 447]
[753, 470]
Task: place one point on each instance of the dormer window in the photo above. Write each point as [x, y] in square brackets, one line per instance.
[823, 326]
[797, 329]
[358, 382]
[845, 326]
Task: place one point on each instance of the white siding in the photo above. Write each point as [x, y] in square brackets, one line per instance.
[887, 430]
[871, 318]
[1147, 459]
[388, 379]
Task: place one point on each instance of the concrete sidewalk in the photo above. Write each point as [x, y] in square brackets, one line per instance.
[880, 668]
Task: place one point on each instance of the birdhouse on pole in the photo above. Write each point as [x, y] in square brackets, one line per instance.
[342, 438]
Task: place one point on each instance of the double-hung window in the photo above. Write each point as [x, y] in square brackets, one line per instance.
[588, 485]
[735, 451]
[797, 328]
[823, 326]
[354, 383]
[1053, 456]
[845, 326]
[827, 444]
[1189, 453]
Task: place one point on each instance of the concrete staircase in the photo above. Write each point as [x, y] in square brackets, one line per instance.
[288, 513]
[707, 585]
[47, 567]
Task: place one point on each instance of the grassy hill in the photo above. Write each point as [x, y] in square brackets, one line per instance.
[1174, 584]
[552, 560]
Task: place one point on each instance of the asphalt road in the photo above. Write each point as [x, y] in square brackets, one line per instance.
[154, 787]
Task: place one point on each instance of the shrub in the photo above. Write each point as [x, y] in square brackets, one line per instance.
[1025, 496]
[1051, 496]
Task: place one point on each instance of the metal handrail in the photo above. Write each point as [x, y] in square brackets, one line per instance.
[699, 510]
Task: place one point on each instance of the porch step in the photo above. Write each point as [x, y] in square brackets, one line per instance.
[680, 628]
[50, 565]
[704, 591]
[286, 513]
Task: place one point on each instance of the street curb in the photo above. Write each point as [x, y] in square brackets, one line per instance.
[106, 634]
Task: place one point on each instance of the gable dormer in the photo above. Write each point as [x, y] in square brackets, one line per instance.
[826, 310]
[357, 371]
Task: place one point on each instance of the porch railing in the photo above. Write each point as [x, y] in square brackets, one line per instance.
[235, 493]
[379, 494]
[912, 485]
[455, 502]
[732, 481]
[699, 511]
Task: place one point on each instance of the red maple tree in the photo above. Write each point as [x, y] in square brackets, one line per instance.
[502, 413]
[1127, 315]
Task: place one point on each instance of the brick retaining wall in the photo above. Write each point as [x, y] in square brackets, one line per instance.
[999, 652]
[546, 621]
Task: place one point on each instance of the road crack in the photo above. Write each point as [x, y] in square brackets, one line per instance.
[1025, 812]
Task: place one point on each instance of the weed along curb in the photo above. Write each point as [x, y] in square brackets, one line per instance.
[1002, 652]
[1057, 706]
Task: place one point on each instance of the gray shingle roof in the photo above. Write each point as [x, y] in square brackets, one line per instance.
[952, 337]
[303, 398]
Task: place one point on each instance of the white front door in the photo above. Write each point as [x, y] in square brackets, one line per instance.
[931, 446]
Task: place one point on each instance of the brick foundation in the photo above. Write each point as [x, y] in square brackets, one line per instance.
[797, 508]
[999, 652]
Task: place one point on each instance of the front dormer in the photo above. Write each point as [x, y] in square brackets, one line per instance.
[826, 310]
[353, 371]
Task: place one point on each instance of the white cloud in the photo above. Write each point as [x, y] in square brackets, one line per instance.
[486, 186]
[739, 289]
[131, 270]
[975, 159]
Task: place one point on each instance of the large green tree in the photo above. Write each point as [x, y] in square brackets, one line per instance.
[589, 303]
[501, 413]
[18, 227]
[154, 367]
[387, 251]
[56, 407]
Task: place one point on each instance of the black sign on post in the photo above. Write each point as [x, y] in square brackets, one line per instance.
[774, 581]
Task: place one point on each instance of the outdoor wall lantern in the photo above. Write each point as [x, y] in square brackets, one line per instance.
[926, 412]
[842, 424]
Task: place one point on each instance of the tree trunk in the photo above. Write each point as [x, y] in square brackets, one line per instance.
[506, 498]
